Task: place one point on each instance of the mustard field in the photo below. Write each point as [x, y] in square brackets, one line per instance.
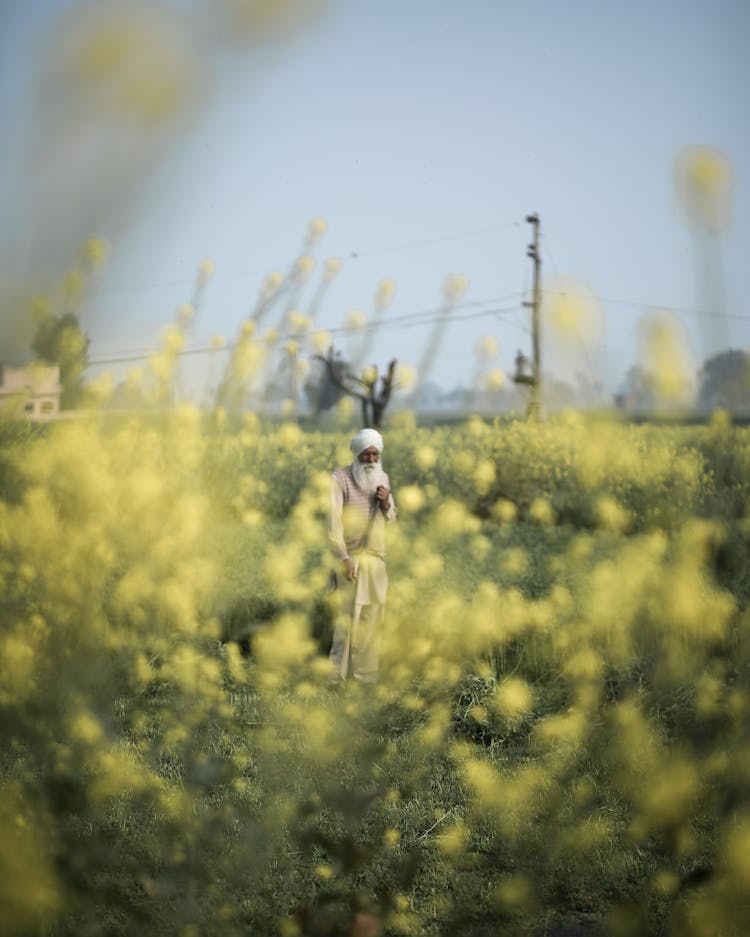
[559, 738]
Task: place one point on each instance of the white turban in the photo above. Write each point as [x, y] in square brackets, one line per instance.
[364, 439]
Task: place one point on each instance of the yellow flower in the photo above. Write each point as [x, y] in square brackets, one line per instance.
[272, 283]
[495, 380]
[455, 287]
[611, 515]
[355, 320]
[17, 666]
[704, 183]
[332, 267]
[666, 358]
[85, 728]
[173, 337]
[670, 795]
[320, 341]
[410, 499]
[370, 374]
[542, 511]
[454, 839]
[206, 269]
[135, 64]
[406, 377]
[425, 457]
[185, 313]
[29, 892]
[486, 348]
[737, 853]
[514, 561]
[484, 476]
[514, 892]
[572, 313]
[94, 252]
[513, 698]
[316, 229]
[345, 410]
[453, 518]
[305, 266]
[504, 511]
[384, 294]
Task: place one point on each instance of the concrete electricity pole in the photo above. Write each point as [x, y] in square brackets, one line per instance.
[536, 387]
[533, 380]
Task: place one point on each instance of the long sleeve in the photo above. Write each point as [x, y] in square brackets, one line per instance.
[336, 522]
[389, 511]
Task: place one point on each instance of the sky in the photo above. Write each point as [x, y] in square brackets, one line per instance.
[424, 134]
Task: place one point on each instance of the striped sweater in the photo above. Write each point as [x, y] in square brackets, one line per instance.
[350, 513]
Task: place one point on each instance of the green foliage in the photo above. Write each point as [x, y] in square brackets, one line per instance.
[60, 340]
[725, 382]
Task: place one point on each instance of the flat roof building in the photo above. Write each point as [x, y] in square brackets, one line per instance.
[31, 390]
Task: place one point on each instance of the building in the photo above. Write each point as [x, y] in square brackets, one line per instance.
[31, 390]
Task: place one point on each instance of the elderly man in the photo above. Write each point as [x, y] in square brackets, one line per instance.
[361, 503]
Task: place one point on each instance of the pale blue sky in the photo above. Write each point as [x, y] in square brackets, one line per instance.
[424, 132]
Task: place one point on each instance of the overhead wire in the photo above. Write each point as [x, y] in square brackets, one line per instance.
[587, 354]
[408, 320]
[350, 255]
[434, 240]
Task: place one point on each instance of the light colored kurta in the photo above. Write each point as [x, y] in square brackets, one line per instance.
[356, 530]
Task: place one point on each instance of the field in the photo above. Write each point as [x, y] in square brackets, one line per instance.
[558, 744]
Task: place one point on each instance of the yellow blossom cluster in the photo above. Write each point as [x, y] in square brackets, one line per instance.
[563, 675]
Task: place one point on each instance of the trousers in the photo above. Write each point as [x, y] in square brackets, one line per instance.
[358, 609]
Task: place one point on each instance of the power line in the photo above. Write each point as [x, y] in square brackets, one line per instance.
[408, 320]
[434, 240]
[706, 313]
[416, 319]
[205, 349]
[188, 281]
[436, 311]
[351, 254]
[484, 313]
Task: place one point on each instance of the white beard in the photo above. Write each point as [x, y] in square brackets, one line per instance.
[368, 476]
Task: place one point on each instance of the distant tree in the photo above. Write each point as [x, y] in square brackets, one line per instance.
[558, 394]
[640, 388]
[60, 340]
[725, 381]
[371, 389]
[323, 387]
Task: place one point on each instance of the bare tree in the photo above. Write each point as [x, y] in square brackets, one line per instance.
[371, 389]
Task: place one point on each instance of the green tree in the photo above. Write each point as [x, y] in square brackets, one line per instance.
[60, 340]
[725, 381]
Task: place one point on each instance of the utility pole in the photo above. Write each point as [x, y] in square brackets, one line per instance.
[533, 380]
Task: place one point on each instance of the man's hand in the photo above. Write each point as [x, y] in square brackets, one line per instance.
[382, 494]
[350, 570]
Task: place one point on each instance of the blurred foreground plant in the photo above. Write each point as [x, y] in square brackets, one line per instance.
[560, 728]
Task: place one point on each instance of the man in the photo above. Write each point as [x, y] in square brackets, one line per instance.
[361, 503]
